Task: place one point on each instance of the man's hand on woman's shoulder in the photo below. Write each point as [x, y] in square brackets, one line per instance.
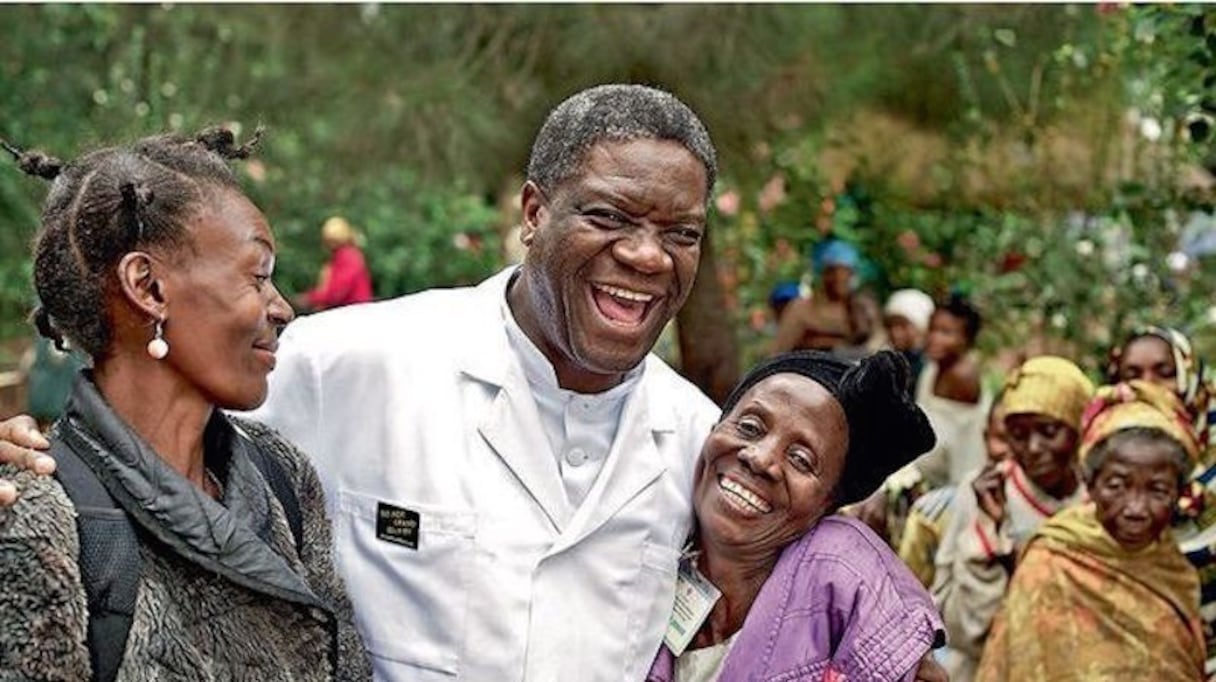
[24, 446]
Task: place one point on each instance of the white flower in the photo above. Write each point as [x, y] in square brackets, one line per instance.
[1140, 271]
[1085, 248]
[1059, 321]
[461, 241]
[1150, 128]
[1177, 261]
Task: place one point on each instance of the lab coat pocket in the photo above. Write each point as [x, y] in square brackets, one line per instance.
[656, 591]
[408, 582]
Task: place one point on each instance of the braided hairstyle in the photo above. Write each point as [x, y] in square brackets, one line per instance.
[108, 203]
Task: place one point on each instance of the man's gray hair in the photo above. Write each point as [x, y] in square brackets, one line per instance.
[617, 113]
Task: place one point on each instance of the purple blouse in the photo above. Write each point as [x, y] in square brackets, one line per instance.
[839, 599]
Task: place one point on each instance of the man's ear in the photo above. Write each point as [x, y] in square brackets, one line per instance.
[138, 281]
[533, 204]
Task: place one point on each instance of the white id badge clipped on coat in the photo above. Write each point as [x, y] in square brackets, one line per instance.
[695, 598]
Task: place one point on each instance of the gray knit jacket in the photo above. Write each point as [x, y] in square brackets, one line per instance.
[190, 623]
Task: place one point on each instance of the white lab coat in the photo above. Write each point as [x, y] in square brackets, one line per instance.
[420, 403]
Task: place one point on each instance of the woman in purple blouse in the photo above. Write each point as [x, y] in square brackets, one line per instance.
[803, 595]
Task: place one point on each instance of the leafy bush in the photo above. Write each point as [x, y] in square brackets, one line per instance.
[415, 236]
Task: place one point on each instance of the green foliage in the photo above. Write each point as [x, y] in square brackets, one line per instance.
[411, 121]
[415, 236]
[1054, 270]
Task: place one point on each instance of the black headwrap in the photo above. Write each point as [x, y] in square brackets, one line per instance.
[886, 428]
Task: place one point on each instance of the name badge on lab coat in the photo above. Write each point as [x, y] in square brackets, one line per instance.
[397, 525]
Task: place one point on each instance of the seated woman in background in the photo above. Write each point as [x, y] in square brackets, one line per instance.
[1165, 356]
[804, 595]
[1102, 591]
[835, 317]
[174, 542]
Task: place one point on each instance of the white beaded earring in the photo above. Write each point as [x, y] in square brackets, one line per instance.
[158, 348]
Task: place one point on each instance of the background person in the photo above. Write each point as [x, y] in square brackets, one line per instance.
[951, 392]
[906, 317]
[1102, 591]
[835, 317]
[1165, 356]
[930, 514]
[176, 542]
[345, 278]
[997, 508]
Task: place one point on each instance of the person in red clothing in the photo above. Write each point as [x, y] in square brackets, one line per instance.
[345, 279]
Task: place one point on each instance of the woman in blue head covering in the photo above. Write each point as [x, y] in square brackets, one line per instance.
[834, 318]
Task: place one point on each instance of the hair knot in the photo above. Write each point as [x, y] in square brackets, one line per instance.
[222, 141]
[35, 163]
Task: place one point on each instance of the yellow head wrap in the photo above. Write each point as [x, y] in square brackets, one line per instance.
[1050, 386]
[1137, 404]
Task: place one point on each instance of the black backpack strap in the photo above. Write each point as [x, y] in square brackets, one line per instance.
[280, 484]
[110, 562]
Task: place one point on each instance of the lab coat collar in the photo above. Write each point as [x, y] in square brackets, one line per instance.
[511, 424]
[488, 345]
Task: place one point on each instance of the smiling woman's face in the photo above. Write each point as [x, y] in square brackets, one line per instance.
[223, 312]
[769, 469]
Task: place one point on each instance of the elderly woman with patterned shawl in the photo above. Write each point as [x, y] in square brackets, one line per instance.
[1165, 356]
[1102, 592]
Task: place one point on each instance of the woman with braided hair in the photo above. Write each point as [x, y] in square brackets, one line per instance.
[174, 542]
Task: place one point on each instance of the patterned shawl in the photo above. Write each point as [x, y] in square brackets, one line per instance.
[1081, 608]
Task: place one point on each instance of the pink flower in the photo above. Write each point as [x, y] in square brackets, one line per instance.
[909, 240]
[773, 193]
[728, 203]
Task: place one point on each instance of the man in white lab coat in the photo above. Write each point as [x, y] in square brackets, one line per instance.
[507, 467]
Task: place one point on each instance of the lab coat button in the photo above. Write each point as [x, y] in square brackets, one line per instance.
[576, 457]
